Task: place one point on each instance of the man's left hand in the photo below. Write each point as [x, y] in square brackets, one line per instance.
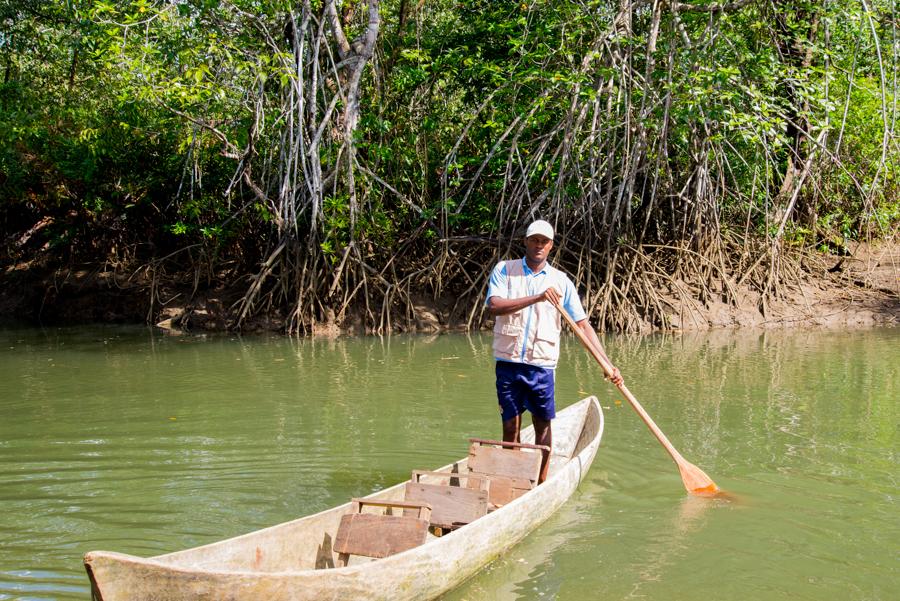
[616, 377]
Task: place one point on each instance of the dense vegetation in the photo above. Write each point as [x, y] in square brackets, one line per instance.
[328, 158]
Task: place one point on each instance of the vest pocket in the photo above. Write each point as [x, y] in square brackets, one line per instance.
[546, 342]
[510, 329]
[506, 338]
[545, 350]
[548, 331]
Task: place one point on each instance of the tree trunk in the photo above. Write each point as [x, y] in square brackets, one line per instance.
[796, 30]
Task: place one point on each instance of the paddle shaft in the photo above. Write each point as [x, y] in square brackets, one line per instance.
[608, 370]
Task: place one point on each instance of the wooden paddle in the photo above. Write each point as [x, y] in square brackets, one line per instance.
[695, 480]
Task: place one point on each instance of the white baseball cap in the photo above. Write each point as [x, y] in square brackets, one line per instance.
[539, 227]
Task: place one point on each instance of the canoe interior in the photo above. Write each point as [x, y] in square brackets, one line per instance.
[306, 543]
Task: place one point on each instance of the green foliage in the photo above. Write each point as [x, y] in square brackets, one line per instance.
[102, 103]
[88, 127]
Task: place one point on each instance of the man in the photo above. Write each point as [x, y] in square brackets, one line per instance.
[521, 296]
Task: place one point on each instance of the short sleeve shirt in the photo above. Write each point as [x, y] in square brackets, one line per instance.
[537, 283]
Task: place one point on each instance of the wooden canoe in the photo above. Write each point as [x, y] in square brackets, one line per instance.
[280, 563]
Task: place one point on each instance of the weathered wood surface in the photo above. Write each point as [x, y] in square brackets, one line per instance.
[512, 471]
[287, 562]
[521, 465]
[380, 535]
[451, 506]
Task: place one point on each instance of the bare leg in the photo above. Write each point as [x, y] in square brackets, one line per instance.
[511, 429]
[543, 435]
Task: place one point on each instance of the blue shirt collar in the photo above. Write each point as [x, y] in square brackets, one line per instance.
[527, 270]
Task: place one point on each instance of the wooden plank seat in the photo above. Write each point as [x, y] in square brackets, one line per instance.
[513, 468]
[380, 535]
[452, 506]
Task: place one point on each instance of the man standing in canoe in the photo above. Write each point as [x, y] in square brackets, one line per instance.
[521, 296]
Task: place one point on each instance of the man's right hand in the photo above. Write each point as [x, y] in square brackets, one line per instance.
[551, 295]
[505, 306]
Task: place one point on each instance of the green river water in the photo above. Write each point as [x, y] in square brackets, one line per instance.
[129, 440]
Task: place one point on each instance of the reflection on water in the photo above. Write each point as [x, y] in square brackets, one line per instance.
[127, 440]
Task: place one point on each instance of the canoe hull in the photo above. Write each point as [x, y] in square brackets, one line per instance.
[218, 572]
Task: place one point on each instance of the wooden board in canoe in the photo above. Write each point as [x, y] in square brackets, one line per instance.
[294, 561]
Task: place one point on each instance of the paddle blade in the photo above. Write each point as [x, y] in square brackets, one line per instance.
[696, 481]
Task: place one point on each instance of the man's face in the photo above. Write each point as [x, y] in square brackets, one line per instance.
[537, 248]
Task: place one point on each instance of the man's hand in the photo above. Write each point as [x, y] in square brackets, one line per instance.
[551, 295]
[505, 306]
[590, 336]
[616, 377]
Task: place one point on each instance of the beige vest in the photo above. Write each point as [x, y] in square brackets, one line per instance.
[535, 329]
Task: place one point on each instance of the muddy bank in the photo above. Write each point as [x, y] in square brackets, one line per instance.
[862, 289]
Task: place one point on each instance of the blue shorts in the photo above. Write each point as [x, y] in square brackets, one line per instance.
[521, 387]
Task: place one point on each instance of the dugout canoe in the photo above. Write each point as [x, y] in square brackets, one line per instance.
[279, 563]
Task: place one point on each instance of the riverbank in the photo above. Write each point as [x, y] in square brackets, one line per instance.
[861, 289]
[856, 290]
